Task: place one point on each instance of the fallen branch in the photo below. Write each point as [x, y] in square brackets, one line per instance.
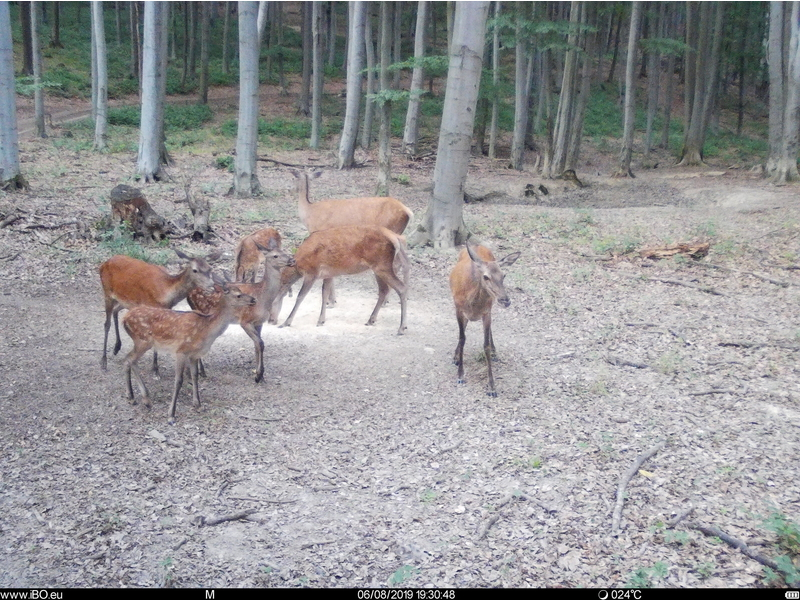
[702, 288]
[617, 515]
[709, 392]
[308, 545]
[620, 362]
[732, 541]
[264, 419]
[494, 517]
[779, 282]
[487, 524]
[267, 500]
[744, 344]
[285, 164]
[10, 219]
[673, 522]
[225, 518]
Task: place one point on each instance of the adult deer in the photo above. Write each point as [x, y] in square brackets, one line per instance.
[251, 318]
[346, 251]
[129, 282]
[249, 257]
[476, 282]
[327, 214]
[187, 335]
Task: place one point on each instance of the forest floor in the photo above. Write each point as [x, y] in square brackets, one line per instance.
[359, 461]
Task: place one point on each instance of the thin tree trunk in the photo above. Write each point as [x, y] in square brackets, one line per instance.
[369, 108]
[615, 54]
[671, 28]
[117, 22]
[308, 42]
[777, 75]
[396, 46]
[653, 77]
[245, 182]
[624, 169]
[193, 9]
[589, 18]
[205, 43]
[38, 90]
[522, 89]
[355, 61]
[411, 132]
[226, 27]
[384, 135]
[316, 95]
[331, 35]
[495, 83]
[133, 19]
[786, 169]
[101, 82]
[55, 35]
[27, 46]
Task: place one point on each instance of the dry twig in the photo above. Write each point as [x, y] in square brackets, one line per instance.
[624, 482]
[209, 522]
[732, 541]
[619, 362]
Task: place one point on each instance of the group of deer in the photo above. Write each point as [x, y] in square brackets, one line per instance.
[346, 237]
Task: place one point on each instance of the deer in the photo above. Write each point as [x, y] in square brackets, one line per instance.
[186, 335]
[327, 214]
[476, 282]
[129, 282]
[248, 256]
[251, 318]
[329, 253]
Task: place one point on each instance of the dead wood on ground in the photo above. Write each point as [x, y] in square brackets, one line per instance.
[617, 515]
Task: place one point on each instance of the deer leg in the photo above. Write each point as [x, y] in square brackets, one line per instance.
[254, 332]
[118, 343]
[180, 365]
[193, 372]
[458, 357]
[130, 367]
[383, 291]
[332, 297]
[155, 365]
[487, 350]
[327, 290]
[307, 283]
[201, 368]
[106, 327]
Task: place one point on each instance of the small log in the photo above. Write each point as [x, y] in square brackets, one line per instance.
[695, 250]
[617, 515]
[210, 522]
[619, 362]
[201, 210]
[735, 543]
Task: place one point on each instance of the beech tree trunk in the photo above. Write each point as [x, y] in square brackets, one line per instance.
[308, 42]
[101, 81]
[10, 177]
[624, 168]
[355, 60]
[369, 108]
[495, 82]
[316, 67]
[152, 151]
[55, 33]
[226, 27]
[522, 89]
[786, 164]
[411, 131]
[205, 43]
[443, 224]
[385, 134]
[245, 180]
[38, 91]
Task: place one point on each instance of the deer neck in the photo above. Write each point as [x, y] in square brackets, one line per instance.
[303, 203]
[179, 287]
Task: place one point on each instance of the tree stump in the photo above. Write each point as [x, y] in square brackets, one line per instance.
[129, 205]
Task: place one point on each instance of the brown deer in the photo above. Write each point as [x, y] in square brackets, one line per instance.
[187, 335]
[249, 257]
[251, 318]
[476, 282]
[348, 250]
[129, 282]
[327, 214]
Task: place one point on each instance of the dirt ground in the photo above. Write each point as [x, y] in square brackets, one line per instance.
[359, 460]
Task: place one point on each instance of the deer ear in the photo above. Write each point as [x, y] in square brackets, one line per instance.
[214, 256]
[509, 260]
[182, 255]
[472, 254]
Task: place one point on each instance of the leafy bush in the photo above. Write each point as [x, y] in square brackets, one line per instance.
[186, 117]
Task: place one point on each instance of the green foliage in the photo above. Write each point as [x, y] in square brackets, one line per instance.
[403, 574]
[676, 537]
[787, 531]
[643, 577]
[183, 117]
[298, 129]
[119, 240]
[25, 86]
[226, 162]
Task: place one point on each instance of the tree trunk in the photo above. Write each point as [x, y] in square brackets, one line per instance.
[226, 27]
[369, 108]
[151, 131]
[411, 131]
[263, 17]
[786, 167]
[589, 17]
[397, 54]
[205, 42]
[443, 224]
[38, 91]
[653, 80]
[316, 92]
[308, 42]
[101, 82]
[10, 177]
[355, 56]
[565, 114]
[777, 75]
[331, 34]
[522, 89]
[55, 35]
[117, 22]
[27, 46]
[624, 169]
[671, 28]
[245, 180]
[385, 134]
[495, 82]
[615, 54]
[193, 9]
[133, 19]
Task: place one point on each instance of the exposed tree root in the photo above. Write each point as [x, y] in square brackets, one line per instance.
[617, 515]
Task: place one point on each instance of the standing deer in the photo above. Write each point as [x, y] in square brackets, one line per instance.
[251, 318]
[187, 335]
[476, 281]
[346, 251]
[327, 214]
[248, 256]
[129, 282]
